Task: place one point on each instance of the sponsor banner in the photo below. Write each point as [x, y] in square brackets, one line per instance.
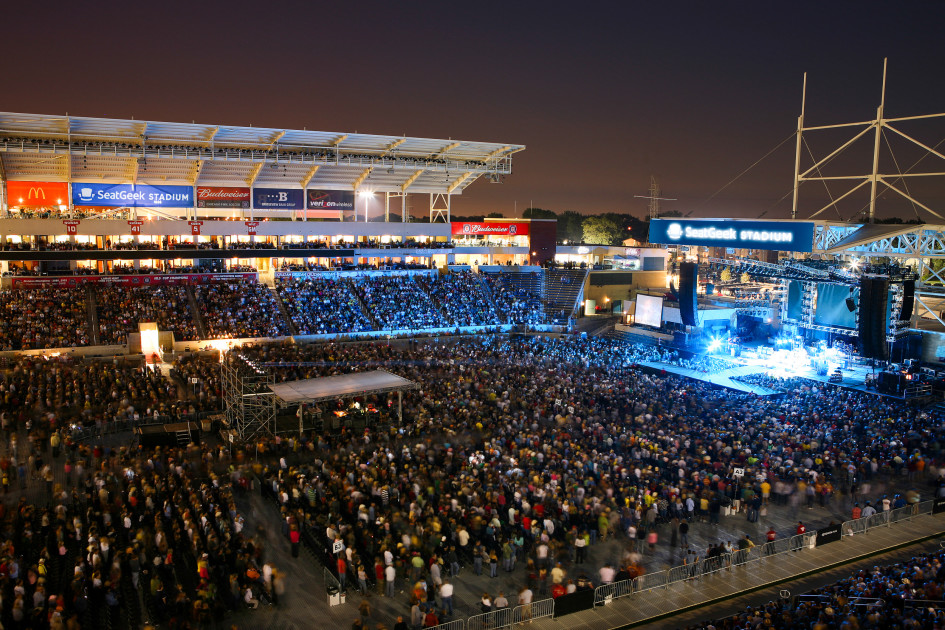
[223, 197]
[72, 226]
[787, 236]
[132, 195]
[37, 194]
[339, 200]
[497, 228]
[135, 226]
[278, 199]
[828, 535]
[137, 280]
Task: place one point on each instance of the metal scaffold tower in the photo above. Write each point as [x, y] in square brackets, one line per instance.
[250, 405]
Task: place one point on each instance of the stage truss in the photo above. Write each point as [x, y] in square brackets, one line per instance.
[249, 404]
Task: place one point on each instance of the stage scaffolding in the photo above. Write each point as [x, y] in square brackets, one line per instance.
[249, 403]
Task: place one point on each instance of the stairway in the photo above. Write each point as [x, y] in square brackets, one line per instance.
[562, 291]
[364, 309]
[183, 437]
[285, 312]
[198, 316]
[92, 309]
[487, 292]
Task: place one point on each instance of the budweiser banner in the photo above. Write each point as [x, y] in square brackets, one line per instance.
[339, 200]
[37, 194]
[138, 280]
[278, 199]
[497, 228]
[222, 197]
[135, 226]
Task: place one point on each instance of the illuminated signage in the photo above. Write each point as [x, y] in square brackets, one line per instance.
[490, 228]
[132, 195]
[37, 194]
[790, 236]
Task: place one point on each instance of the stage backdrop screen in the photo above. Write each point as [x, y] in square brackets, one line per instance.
[649, 310]
[794, 310]
[832, 309]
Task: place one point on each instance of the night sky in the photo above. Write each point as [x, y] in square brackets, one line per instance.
[603, 95]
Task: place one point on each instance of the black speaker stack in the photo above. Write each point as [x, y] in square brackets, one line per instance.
[874, 311]
[688, 281]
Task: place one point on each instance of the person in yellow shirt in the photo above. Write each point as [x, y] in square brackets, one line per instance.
[765, 492]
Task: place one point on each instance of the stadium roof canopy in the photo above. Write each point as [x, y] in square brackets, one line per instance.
[39, 147]
[344, 386]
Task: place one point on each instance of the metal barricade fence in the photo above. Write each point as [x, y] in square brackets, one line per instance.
[494, 620]
[777, 546]
[535, 610]
[879, 519]
[649, 581]
[854, 527]
[683, 572]
[900, 514]
[331, 582]
[605, 593]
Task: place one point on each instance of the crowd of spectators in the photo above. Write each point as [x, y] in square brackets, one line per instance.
[462, 297]
[520, 451]
[43, 318]
[515, 303]
[399, 303]
[239, 309]
[320, 306]
[903, 595]
[539, 443]
[121, 309]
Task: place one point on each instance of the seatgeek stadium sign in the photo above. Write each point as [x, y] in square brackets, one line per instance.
[132, 195]
[787, 236]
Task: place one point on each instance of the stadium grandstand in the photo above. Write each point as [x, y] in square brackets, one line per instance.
[240, 387]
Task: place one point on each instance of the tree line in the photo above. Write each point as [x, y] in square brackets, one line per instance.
[608, 228]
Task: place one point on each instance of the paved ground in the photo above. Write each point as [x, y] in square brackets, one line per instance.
[305, 604]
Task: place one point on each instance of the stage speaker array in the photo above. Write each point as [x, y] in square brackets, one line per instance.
[874, 310]
[908, 300]
[688, 281]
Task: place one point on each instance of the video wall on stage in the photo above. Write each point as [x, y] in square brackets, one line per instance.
[836, 305]
[649, 310]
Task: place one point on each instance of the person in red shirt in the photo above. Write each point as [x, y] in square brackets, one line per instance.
[558, 590]
[770, 536]
[431, 620]
[797, 542]
[294, 536]
[857, 512]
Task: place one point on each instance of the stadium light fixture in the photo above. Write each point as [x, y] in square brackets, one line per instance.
[716, 344]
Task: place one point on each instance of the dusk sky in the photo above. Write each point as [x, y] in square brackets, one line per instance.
[602, 95]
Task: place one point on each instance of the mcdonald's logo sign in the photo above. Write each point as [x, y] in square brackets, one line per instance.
[37, 194]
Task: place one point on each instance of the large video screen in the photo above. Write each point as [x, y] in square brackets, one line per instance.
[832, 308]
[649, 310]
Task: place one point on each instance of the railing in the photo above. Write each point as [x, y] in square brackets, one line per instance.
[535, 610]
[494, 620]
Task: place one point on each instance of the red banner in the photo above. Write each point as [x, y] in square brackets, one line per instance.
[136, 226]
[195, 227]
[72, 226]
[222, 197]
[139, 280]
[496, 228]
[37, 194]
[251, 227]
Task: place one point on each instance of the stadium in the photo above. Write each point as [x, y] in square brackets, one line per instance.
[261, 377]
